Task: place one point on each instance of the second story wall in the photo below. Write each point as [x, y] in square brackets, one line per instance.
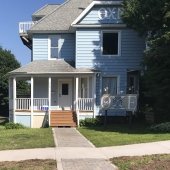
[64, 45]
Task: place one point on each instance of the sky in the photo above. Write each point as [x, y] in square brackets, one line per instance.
[11, 13]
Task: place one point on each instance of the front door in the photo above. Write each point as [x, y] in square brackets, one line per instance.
[65, 93]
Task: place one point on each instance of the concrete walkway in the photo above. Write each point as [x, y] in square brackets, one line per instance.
[88, 157]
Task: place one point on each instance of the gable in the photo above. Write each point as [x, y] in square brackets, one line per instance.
[103, 14]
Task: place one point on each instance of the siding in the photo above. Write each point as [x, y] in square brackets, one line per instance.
[66, 43]
[40, 47]
[93, 17]
[24, 120]
[88, 55]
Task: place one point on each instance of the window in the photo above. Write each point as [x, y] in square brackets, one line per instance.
[54, 46]
[84, 87]
[110, 43]
[65, 89]
[109, 85]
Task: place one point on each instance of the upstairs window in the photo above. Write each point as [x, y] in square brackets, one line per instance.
[54, 46]
[111, 43]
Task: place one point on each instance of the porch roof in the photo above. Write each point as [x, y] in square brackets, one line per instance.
[59, 66]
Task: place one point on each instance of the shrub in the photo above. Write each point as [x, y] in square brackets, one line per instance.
[12, 125]
[163, 127]
[90, 122]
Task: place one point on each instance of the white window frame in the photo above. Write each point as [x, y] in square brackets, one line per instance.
[111, 76]
[119, 42]
[49, 46]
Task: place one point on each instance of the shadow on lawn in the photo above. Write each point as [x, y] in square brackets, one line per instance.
[135, 128]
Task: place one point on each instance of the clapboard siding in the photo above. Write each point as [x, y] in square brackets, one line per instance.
[67, 47]
[88, 55]
[40, 47]
[92, 17]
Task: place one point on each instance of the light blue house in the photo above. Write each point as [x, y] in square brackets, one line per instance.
[80, 51]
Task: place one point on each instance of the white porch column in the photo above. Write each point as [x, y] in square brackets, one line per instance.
[14, 99]
[94, 96]
[77, 95]
[32, 100]
[49, 100]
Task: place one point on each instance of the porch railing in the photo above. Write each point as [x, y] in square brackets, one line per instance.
[25, 26]
[86, 104]
[25, 104]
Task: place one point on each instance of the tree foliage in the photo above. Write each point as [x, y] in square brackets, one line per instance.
[152, 19]
[7, 64]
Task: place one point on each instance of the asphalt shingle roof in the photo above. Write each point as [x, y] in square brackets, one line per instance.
[59, 66]
[62, 17]
[45, 10]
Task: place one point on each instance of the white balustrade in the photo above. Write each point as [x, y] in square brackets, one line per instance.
[40, 103]
[24, 104]
[85, 104]
[25, 26]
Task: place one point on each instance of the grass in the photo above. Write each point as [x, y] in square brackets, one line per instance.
[156, 162]
[29, 165]
[25, 138]
[121, 134]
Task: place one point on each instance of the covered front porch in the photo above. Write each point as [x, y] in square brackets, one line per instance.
[55, 99]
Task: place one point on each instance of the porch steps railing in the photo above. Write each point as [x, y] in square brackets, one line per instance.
[25, 104]
[85, 104]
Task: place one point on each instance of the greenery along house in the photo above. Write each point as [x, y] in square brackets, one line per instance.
[80, 51]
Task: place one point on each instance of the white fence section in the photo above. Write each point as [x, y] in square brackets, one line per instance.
[38, 104]
[25, 26]
[23, 104]
[85, 104]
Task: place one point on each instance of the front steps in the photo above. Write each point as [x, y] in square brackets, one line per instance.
[62, 118]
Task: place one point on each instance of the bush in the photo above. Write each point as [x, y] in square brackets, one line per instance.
[12, 125]
[88, 122]
[163, 127]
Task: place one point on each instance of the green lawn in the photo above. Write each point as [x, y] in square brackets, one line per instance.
[121, 134]
[25, 138]
[152, 162]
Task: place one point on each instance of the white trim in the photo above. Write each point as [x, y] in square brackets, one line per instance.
[49, 46]
[94, 95]
[32, 101]
[49, 100]
[14, 99]
[119, 42]
[91, 6]
[77, 96]
[100, 26]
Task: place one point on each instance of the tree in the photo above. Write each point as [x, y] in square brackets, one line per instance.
[7, 64]
[151, 18]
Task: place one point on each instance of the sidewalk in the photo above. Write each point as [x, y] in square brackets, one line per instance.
[81, 158]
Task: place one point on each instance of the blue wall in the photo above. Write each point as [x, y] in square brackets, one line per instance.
[88, 55]
[24, 120]
[40, 46]
[93, 15]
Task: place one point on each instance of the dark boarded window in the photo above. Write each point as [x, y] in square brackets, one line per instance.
[110, 43]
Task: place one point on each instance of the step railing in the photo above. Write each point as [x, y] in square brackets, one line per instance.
[86, 104]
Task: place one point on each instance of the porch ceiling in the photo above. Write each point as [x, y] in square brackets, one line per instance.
[59, 66]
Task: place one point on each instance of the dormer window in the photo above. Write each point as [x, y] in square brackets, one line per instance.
[110, 43]
[54, 46]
